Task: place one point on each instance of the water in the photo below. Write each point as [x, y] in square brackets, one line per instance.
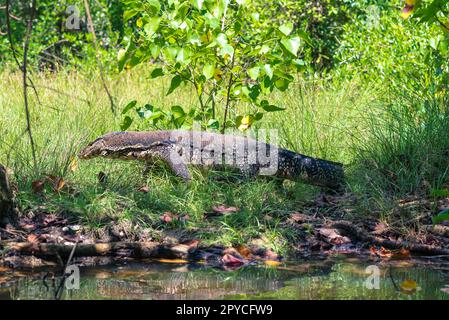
[329, 278]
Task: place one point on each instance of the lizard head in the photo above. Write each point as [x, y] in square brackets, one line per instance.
[92, 150]
[109, 145]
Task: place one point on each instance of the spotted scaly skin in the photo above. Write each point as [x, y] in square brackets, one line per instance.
[178, 148]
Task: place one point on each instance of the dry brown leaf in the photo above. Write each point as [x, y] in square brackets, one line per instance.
[144, 189]
[232, 260]
[383, 252]
[244, 251]
[73, 164]
[32, 238]
[59, 184]
[223, 209]
[168, 217]
[192, 243]
[270, 255]
[402, 253]
[38, 186]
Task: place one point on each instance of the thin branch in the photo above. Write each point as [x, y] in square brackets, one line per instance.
[14, 53]
[64, 94]
[8, 29]
[60, 289]
[25, 85]
[228, 94]
[100, 65]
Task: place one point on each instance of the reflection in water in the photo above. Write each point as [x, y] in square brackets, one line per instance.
[321, 279]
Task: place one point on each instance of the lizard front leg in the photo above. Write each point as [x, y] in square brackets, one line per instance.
[169, 155]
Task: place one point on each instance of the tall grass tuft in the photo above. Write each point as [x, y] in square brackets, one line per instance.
[406, 150]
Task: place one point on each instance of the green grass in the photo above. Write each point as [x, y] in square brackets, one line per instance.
[346, 121]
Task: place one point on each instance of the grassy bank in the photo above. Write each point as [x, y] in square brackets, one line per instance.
[390, 153]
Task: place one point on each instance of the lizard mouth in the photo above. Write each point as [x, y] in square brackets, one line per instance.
[87, 153]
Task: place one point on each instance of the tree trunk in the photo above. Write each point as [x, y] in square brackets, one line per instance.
[8, 211]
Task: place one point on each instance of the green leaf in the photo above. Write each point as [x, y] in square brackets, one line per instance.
[183, 56]
[175, 82]
[170, 52]
[269, 107]
[158, 72]
[153, 7]
[177, 111]
[126, 123]
[208, 71]
[152, 26]
[268, 71]
[129, 106]
[146, 111]
[287, 28]
[129, 14]
[442, 216]
[213, 124]
[292, 44]
[227, 50]
[183, 9]
[244, 123]
[222, 40]
[254, 73]
[281, 84]
[198, 4]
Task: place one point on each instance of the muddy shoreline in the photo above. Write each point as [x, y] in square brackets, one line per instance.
[46, 240]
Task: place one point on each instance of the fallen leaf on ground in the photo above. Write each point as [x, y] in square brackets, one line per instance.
[222, 209]
[402, 253]
[300, 218]
[380, 228]
[28, 226]
[59, 184]
[144, 189]
[168, 217]
[383, 253]
[32, 238]
[270, 255]
[38, 186]
[272, 263]
[244, 251]
[191, 243]
[409, 286]
[332, 236]
[231, 260]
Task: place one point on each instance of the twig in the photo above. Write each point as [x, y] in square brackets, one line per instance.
[100, 65]
[14, 53]
[25, 86]
[8, 29]
[64, 94]
[228, 94]
[60, 290]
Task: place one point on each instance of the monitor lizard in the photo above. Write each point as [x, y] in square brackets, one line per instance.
[178, 148]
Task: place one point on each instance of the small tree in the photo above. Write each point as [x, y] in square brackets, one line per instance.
[221, 48]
